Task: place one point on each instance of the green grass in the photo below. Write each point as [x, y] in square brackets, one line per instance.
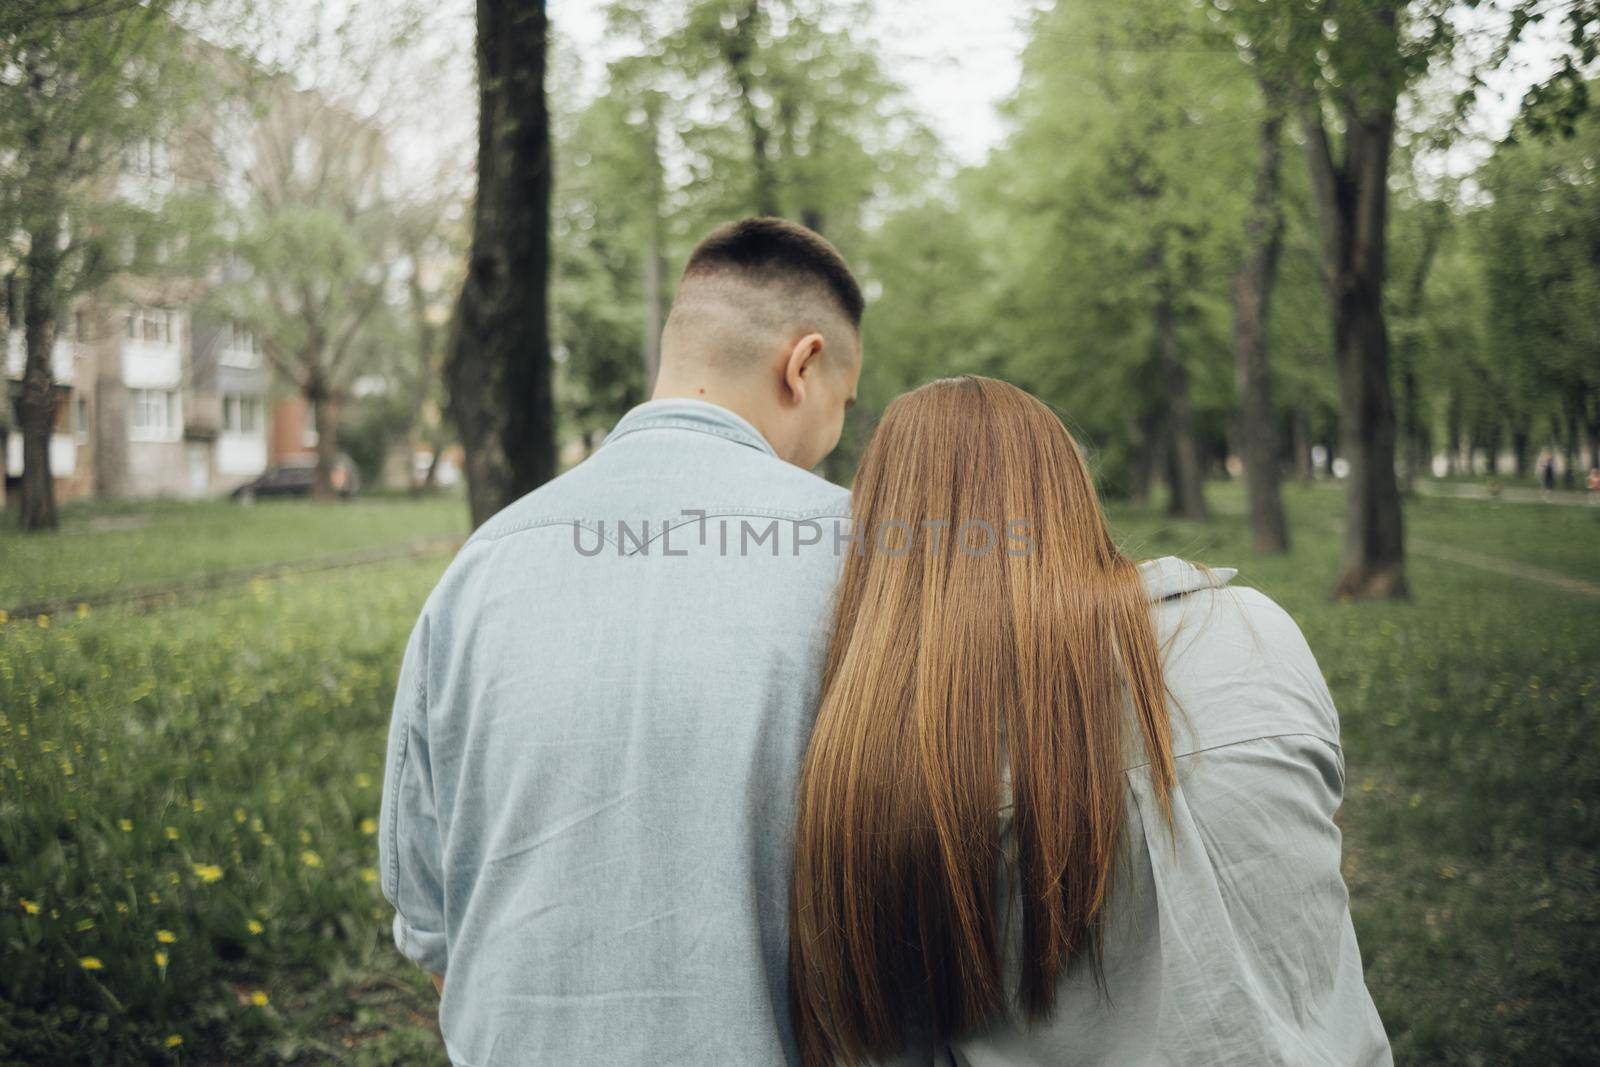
[252, 724]
[1469, 722]
[104, 550]
[211, 771]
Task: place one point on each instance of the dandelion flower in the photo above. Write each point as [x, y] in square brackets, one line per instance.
[198, 805]
[259, 998]
[161, 959]
[29, 906]
[238, 815]
[4, 618]
[83, 611]
[369, 874]
[166, 937]
[254, 927]
[83, 926]
[155, 898]
[91, 963]
[310, 859]
[369, 827]
[363, 781]
[207, 872]
[174, 1040]
[125, 825]
[44, 624]
[172, 833]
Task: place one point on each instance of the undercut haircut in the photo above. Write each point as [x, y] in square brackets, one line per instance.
[770, 249]
[751, 285]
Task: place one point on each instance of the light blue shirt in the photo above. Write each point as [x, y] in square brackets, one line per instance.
[601, 714]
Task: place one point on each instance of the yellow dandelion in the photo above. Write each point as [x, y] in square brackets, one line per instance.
[122, 907]
[155, 898]
[29, 906]
[166, 937]
[91, 963]
[125, 825]
[369, 827]
[207, 872]
[44, 624]
[305, 837]
[369, 874]
[83, 926]
[172, 833]
[238, 815]
[83, 611]
[4, 618]
[161, 959]
[259, 998]
[310, 859]
[256, 825]
[254, 927]
[174, 1040]
[363, 780]
[198, 805]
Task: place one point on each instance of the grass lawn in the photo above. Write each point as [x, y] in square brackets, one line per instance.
[109, 549]
[186, 852]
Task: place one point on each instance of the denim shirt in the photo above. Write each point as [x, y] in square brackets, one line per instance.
[600, 718]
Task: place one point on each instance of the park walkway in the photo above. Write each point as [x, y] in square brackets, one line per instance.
[1500, 565]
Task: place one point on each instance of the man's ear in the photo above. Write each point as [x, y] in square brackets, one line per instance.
[800, 368]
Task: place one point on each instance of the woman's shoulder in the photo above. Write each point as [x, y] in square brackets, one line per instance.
[1237, 665]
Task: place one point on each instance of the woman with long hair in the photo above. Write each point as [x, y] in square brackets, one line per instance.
[1059, 807]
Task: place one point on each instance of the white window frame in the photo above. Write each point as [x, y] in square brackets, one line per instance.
[240, 347]
[167, 424]
[243, 415]
[154, 326]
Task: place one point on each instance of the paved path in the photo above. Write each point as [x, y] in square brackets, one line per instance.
[1511, 494]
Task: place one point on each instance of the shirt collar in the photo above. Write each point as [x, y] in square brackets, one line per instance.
[1169, 577]
[700, 416]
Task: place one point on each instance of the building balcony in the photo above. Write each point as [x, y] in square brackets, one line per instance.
[63, 357]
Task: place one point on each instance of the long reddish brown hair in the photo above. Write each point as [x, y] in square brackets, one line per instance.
[949, 664]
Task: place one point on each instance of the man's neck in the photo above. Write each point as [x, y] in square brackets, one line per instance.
[732, 400]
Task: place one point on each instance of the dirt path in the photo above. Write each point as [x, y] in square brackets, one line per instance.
[149, 597]
[1499, 565]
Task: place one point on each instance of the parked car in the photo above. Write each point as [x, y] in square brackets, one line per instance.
[295, 476]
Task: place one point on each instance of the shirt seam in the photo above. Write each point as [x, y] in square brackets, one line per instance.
[674, 422]
[721, 511]
[1243, 741]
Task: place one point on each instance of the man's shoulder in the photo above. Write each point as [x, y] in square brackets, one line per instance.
[607, 488]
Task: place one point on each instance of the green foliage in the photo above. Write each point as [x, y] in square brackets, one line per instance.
[1470, 830]
[187, 856]
[145, 546]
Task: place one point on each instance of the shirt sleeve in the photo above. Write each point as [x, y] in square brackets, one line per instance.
[409, 842]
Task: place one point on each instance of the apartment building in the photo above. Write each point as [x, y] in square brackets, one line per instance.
[157, 396]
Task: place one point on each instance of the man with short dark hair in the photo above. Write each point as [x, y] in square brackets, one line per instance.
[603, 707]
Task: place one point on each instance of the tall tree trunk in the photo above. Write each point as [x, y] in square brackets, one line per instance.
[1252, 294]
[1149, 448]
[37, 403]
[1574, 408]
[1352, 197]
[1187, 500]
[325, 411]
[739, 48]
[1300, 432]
[654, 269]
[1519, 447]
[498, 371]
[1591, 422]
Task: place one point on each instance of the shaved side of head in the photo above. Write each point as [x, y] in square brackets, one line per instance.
[752, 287]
